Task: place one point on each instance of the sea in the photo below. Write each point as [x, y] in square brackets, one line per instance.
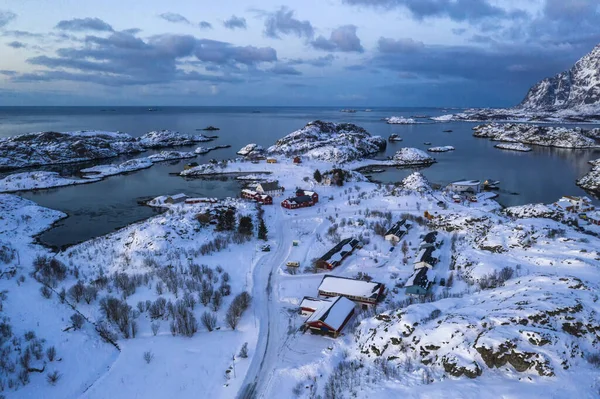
[540, 176]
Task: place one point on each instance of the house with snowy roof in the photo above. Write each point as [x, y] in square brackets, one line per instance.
[310, 304]
[337, 254]
[270, 188]
[360, 291]
[425, 258]
[311, 194]
[331, 316]
[420, 282]
[397, 231]
[572, 203]
[176, 199]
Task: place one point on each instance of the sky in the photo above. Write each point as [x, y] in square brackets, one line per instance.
[452, 53]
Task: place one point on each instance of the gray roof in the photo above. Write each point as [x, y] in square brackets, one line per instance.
[270, 186]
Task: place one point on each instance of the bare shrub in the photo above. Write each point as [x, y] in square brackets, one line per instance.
[148, 356]
[77, 321]
[209, 320]
[244, 351]
[90, 293]
[51, 353]
[46, 292]
[76, 291]
[155, 327]
[53, 377]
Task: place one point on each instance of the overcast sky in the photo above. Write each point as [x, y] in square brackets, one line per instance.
[270, 52]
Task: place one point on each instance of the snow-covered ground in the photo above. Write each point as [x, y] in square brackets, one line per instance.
[591, 180]
[515, 316]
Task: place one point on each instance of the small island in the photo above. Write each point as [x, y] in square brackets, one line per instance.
[513, 147]
[445, 148]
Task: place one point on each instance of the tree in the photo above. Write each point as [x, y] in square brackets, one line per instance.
[317, 176]
[262, 230]
[405, 251]
[77, 321]
[226, 220]
[246, 226]
[209, 320]
[244, 351]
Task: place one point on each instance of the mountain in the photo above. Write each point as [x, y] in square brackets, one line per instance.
[579, 87]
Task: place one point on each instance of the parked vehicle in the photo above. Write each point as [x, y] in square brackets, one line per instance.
[265, 248]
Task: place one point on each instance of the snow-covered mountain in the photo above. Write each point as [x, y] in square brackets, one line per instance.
[548, 136]
[327, 141]
[577, 87]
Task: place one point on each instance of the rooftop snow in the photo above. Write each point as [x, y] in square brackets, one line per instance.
[351, 287]
[333, 313]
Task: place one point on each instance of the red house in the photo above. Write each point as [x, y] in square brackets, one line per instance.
[331, 316]
[302, 201]
[312, 194]
[297, 160]
[253, 195]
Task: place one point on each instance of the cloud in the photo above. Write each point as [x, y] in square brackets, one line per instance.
[123, 59]
[174, 18]
[84, 24]
[343, 39]
[19, 34]
[282, 22]
[326, 60]
[16, 44]
[205, 25]
[457, 10]
[408, 45]
[282, 69]
[6, 72]
[6, 17]
[235, 23]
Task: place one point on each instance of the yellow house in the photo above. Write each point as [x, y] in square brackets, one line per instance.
[271, 160]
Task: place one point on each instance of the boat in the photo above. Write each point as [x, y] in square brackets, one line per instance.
[448, 131]
[394, 137]
[490, 184]
[351, 111]
[368, 110]
[190, 165]
[427, 143]
[152, 109]
[377, 170]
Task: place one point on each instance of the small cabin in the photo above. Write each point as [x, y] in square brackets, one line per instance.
[302, 201]
[271, 160]
[176, 199]
[312, 194]
[297, 160]
[338, 253]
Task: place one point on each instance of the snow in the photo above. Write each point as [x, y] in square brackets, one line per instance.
[416, 182]
[445, 148]
[540, 135]
[169, 138]
[36, 180]
[591, 180]
[443, 118]
[333, 312]
[345, 286]
[400, 120]
[250, 149]
[513, 147]
[408, 156]
[102, 171]
[170, 155]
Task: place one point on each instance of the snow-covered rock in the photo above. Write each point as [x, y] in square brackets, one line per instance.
[409, 156]
[327, 141]
[110, 170]
[548, 136]
[47, 148]
[416, 182]
[538, 324]
[170, 155]
[513, 147]
[591, 181]
[170, 138]
[530, 211]
[36, 180]
[400, 120]
[445, 148]
[251, 149]
[206, 150]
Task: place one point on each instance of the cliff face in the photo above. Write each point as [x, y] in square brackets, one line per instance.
[575, 88]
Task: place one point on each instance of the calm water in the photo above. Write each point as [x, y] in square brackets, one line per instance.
[542, 175]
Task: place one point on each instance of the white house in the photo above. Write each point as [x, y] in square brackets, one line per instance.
[465, 186]
[575, 204]
[270, 188]
[176, 199]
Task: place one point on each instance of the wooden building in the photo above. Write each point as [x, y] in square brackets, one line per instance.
[270, 188]
[302, 201]
[337, 254]
[420, 282]
[176, 199]
[360, 291]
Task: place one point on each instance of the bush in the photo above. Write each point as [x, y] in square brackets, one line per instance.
[76, 291]
[46, 292]
[77, 321]
[239, 304]
[244, 351]
[184, 322]
[51, 353]
[29, 335]
[90, 293]
[246, 227]
[53, 377]
[158, 308]
[49, 270]
[209, 320]
[594, 359]
[148, 356]
[155, 327]
[217, 300]
[117, 312]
